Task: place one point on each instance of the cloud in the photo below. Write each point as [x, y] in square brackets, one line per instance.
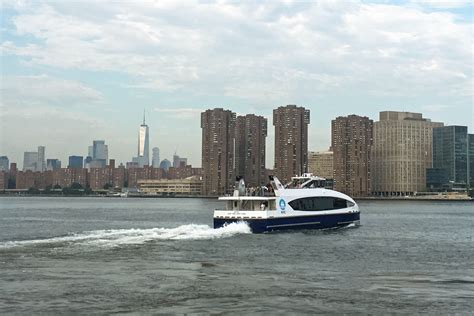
[254, 51]
[180, 113]
[45, 90]
[444, 4]
[436, 107]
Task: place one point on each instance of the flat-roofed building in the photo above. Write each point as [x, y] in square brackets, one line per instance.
[250, 136]
[291, 141]
[351, 142]
[321, 164]
[470, 138]
[191, 186]
[4, 163]
[401, 153]
[218, 142]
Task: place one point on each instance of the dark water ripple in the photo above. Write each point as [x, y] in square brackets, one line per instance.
[92, 255]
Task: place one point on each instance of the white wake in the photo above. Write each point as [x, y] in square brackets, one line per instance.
[117, 237]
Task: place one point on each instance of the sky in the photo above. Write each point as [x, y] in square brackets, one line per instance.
[75, 71]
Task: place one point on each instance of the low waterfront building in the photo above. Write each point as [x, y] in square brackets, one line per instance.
[191, 186]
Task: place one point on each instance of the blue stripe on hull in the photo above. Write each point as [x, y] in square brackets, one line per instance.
[287, 223]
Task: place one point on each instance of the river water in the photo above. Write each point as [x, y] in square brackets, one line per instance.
[106, 255]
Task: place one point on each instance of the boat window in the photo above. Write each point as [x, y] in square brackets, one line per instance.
[318, 204]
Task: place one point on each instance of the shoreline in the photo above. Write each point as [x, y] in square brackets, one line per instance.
[425, 199]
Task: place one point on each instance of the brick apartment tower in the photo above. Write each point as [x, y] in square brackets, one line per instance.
[218, 138]
[351, 141]
[291, 141]
[250, 136]
[401, 153]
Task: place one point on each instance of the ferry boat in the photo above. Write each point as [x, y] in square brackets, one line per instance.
[304, 203]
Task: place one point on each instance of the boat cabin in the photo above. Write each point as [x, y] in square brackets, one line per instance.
[249, 203]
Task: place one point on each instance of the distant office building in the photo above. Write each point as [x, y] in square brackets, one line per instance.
[87, 162]
[291, 141]
[179, 161]
[97, 163]
[41, 164]
[450, 152]
[321, 164]
[98, 155]
[53, 164]
[100, 150]
[470, 138]
[250, 137]
[4, 163]
[75, 162]
[30, 160]
[437, 180]
[131, 165]
[402, 151]
[165, 164]
[143, 145]
[218, 137]
[155, 161]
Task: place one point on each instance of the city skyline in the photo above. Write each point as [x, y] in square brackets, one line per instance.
[89, 75]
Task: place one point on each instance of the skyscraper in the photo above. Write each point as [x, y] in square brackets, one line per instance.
[218, 136]
[450, 154]
[143, 145]
[178, 161]
[156, 157]
[100, 155]
[75, 162]
[401, 153]
[100, 150]
[53, 164]
[30, 160]
[250, 136]
[351, 142]
[291, 141]
[4, 163]
[41, 164]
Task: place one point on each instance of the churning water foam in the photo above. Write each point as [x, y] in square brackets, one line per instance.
[117, 237]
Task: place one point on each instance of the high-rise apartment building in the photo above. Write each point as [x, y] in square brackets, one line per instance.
[75, 162]
[218, 137]
[321, 164]
[450, 155]
[470, 138]
[4, 163]
[250, 136]
[351, 142]
[401, 153]
[30, 160]
[155, 161]
[143, 145]
[291, 141]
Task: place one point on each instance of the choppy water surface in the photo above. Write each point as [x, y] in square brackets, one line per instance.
[89, 255]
